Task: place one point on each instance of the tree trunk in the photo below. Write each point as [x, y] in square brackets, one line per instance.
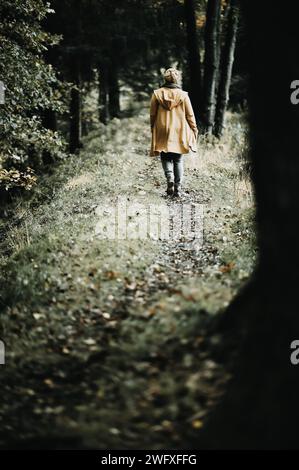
[113, 91]
[193, 58]
[75, 110]
[227, 59]
[49, 122]
[260, 408]
[103, 94]
[211, 63]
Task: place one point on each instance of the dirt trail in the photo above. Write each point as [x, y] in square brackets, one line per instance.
[105, 339]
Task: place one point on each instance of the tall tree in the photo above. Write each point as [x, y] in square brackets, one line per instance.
[260, 408]
[211, 63]
[227, 59]
[113, 89]
[73, 56]
[195, 69]
[103, 93]
[75, 107]
[125, 41]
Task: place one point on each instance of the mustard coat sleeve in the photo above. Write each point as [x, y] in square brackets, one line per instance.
[153, 110]
[190, 116]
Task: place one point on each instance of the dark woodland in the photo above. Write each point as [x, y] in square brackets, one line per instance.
[153, 343]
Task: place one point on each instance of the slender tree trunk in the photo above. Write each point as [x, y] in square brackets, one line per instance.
[211, 63]
[49, 122]
[75, 109]
[194, 62]
[85, 126]
[260, 408]
[113, 91]
[103, 94]
[227, 59]
[219, 40]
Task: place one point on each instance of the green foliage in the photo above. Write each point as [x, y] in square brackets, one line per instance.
[31, 85]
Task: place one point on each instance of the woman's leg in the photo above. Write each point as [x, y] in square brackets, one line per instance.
[167, 165]
[178, 167]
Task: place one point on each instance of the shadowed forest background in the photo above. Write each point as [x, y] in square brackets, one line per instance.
[146, 343]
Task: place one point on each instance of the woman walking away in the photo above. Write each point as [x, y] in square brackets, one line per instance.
[174, 130]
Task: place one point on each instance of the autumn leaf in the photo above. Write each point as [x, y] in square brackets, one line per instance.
[227, 268]
[111, 275]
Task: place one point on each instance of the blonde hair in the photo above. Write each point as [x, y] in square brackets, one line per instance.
[172, 75]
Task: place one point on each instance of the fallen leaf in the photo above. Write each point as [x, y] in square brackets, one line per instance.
[226, 268]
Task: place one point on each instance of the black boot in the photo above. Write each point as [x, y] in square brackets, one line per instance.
[170, 188]
[177, 190]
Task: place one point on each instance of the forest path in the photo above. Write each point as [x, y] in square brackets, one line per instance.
[105, 342]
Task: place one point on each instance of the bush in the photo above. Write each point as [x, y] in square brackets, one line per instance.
[31, 88]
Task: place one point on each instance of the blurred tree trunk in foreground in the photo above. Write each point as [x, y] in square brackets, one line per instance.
[211, 63]
[260, 408]
[193, 57]
[227, 59]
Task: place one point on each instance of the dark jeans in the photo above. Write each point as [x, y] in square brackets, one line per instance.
[172, 164]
